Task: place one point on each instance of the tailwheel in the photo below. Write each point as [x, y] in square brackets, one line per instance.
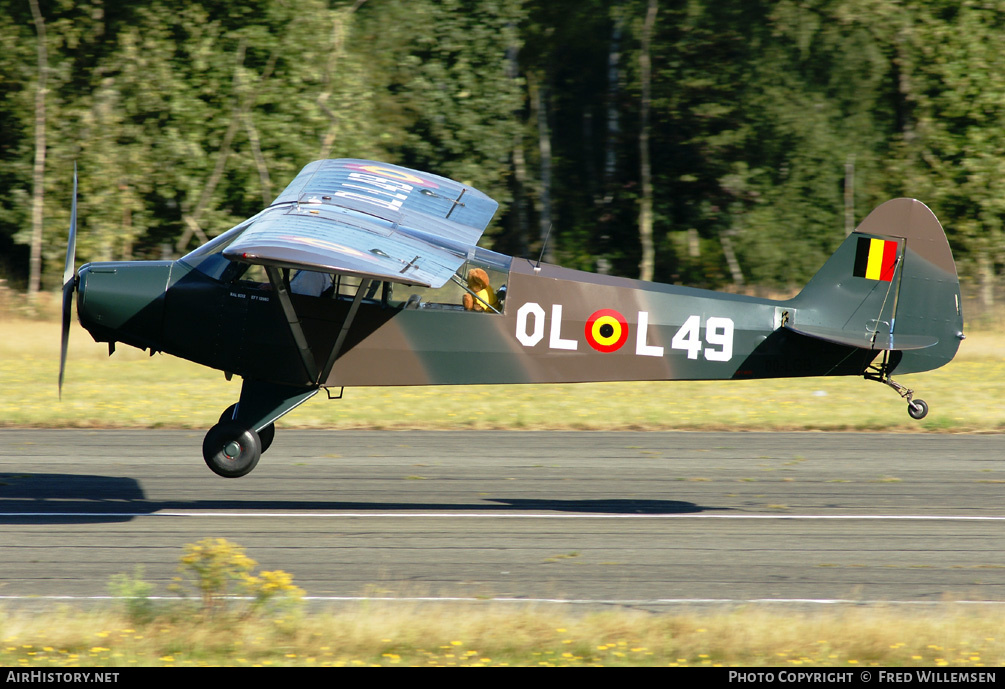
[231, 450]
[917, 409]
[266, 435]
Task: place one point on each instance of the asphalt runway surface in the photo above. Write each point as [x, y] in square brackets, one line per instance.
[646, 519]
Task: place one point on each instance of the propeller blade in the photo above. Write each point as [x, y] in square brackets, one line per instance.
[69, 282]
[71, 242]
[68, 290]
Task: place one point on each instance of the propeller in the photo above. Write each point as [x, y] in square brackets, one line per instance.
[69, 281]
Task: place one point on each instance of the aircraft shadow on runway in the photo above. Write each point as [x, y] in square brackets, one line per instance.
[78, 498]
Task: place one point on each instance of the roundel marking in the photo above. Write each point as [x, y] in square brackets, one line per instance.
[390, 173]
[606, 330]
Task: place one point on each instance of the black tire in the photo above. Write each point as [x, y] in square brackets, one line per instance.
[228, 414]
[918, 409]
[266, 435]
[231, 450]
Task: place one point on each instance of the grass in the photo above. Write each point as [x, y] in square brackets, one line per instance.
[131, 391]
[496, 634]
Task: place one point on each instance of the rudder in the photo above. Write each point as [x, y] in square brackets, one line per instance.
[891, 285]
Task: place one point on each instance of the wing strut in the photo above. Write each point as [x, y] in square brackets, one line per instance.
[340, 340]
[293, 320]
[279, 285]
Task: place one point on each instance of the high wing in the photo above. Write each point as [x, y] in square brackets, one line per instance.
[368, 219]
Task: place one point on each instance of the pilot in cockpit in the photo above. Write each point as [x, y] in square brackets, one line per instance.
[311, 283]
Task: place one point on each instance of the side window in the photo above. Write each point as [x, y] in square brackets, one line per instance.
[478, 286]
[310, 283]
[244, 275]
[484, 288]
[254, 276]
[335, 286]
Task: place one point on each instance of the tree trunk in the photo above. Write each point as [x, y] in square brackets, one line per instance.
[986, 277]
[731, 261]
[328, 78]
[613, 125]
[647, 264]
[518, 229]
[849, 194]
[38, 173]
[544, 151]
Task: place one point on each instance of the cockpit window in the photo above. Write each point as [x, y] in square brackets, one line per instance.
[479, 285]
[247, 274]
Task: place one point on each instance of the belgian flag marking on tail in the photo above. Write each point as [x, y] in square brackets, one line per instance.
[875, 259]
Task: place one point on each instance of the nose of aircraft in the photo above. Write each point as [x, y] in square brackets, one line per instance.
[124, 301]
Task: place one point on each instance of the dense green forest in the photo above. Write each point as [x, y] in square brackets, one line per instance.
[712, 143]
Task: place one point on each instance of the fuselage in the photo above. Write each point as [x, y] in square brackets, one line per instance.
[566, 326]
[556, 325]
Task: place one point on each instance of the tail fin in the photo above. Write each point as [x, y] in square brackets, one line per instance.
[891, 285]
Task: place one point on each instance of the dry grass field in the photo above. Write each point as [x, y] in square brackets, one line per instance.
[131, 389]
[494, 634]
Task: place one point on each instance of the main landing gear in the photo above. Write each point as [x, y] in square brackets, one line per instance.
[231, 450]
[233, 446]
[916, 408]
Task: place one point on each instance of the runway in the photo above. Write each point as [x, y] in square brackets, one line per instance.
[632, 518]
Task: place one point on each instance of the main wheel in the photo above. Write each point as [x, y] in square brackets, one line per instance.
[231, 450]
[266, 435]
[228, 414]
[918, 409]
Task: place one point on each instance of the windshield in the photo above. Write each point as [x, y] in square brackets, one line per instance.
[208, 258]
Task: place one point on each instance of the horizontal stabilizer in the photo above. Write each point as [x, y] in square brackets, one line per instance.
[866, 340]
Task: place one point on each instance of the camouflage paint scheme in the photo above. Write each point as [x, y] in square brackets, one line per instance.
[434, 346]
[556, 324]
